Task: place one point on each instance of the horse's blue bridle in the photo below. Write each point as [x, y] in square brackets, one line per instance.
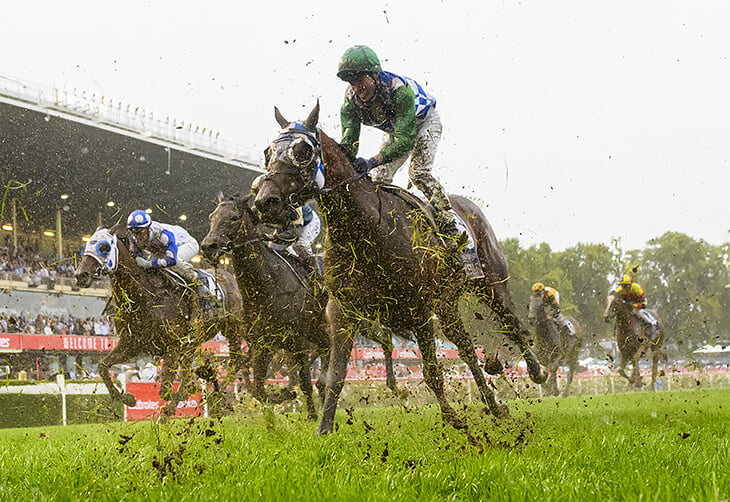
[282, 149]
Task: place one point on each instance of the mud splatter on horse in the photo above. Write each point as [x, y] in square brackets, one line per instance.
[155, 315]
[384, 262]
[283, 302]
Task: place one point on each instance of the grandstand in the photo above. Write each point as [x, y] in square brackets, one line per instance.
[70, 161]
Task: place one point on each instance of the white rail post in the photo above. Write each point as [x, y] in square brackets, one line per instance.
[61, 381]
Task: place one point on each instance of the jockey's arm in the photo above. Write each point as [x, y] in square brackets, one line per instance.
[168, 240]
[405, 125]
[134, 249]
[350, 121]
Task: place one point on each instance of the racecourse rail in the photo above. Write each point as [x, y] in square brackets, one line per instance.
[365, 368]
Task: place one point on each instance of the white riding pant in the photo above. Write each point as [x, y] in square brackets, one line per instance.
[185, 253]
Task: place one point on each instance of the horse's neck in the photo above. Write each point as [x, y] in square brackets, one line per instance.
[352, 212]
[256, 265]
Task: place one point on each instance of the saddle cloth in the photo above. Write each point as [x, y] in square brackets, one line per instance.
[468, 257]
[209, 281]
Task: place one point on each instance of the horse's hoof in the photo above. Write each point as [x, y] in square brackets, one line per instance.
[129, 400]
[501, 411]
[324, 429]
[493, 366]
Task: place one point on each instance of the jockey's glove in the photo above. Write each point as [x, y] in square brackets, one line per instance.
[362, 166]
[143, 263]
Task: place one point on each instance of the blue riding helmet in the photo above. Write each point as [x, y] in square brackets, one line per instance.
[139, 219]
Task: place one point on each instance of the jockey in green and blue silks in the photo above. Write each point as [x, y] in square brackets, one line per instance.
[406, 113]
[160, 245]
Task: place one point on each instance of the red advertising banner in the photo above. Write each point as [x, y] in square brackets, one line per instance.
[11, 342]
[149, 402]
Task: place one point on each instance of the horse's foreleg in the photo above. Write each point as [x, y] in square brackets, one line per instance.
[517, 334]
[324, 362]
[121, 353]
[390, 380]
[305, 381]
[260, 359]
[185, 363]
[340, 351]
[551, 385]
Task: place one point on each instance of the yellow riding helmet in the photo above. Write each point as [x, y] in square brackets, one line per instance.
[538, 286]
[627, 280]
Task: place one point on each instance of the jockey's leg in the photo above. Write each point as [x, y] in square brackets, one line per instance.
[651, 327]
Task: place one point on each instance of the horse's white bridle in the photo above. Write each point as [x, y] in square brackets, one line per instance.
[102, 246]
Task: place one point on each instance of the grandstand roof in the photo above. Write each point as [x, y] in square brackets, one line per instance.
[51, 159]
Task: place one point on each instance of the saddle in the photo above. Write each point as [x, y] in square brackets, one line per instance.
[467, 255]
[209, 292]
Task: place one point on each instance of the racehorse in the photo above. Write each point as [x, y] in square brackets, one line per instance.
[155, 315]
[555, 347]
[283, 303]
[383, 262]
[633, 342]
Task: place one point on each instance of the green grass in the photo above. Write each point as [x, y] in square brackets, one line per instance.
[641, 446]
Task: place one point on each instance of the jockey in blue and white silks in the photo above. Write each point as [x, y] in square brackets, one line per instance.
[160, 245]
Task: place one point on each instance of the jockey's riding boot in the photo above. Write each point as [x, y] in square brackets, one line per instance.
[452, 237]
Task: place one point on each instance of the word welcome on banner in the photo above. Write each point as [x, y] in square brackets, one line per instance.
[13, 342]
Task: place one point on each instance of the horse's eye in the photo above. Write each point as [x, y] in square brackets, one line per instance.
[104, 248]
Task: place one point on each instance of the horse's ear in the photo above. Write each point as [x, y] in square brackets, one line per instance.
[221, 197]
[311, 122]
[280, 118]
[98, 228]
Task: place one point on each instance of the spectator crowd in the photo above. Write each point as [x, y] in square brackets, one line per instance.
[41, 324]
[30, 268]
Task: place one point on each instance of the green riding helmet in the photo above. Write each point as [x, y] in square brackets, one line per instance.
[356, 60]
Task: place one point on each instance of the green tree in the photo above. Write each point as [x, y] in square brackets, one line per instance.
[589, 268]
[685, 280]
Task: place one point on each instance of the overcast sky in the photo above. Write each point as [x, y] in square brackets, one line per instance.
[569, 121]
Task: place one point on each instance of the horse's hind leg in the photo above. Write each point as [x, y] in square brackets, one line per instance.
[454, 330]
[515, 332]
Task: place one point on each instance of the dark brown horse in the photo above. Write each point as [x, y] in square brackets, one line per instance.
[155, 315]
[633, 341]
[284, 304]
[555, 347]
[384, 262]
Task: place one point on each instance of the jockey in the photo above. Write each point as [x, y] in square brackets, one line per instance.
[407, 114]
[551, 298]
[631, 292]
[161, 245]
[298, 235]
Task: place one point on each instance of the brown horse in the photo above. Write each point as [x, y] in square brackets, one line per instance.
[279, 286]
[155, 315]
[633, 341]
[384, 262]
[555, 347]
